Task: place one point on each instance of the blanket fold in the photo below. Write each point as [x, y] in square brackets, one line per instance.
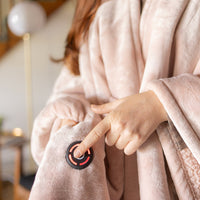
[132, 46]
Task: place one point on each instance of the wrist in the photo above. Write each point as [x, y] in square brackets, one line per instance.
[159, 108]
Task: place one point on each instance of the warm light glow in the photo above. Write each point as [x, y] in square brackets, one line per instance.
[17, 132]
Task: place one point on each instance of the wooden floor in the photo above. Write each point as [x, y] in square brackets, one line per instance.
[7, 192]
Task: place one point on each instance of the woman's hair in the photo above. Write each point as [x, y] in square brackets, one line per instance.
[83, 16]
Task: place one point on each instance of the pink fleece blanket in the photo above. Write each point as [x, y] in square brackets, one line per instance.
[132, 46]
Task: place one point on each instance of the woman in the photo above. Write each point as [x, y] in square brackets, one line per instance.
[143, 58]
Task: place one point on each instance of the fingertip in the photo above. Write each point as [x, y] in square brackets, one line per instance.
[130, 148]
[77, 153]
[94, 107]
[128, 153]
[80, 150]
[107, 142]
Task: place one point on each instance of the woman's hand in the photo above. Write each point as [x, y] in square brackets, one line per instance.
[130, 122]
[63, 111]
[70, 111]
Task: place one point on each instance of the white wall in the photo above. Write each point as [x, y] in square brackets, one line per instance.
[49, 41]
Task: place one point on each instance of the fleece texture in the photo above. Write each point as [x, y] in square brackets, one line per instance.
[132, 46]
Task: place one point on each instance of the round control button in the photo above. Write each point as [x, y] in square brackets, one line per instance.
[81, 162]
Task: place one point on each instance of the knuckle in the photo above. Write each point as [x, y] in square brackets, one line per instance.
[128, 133]
[117, 127]
[115, 115]
[111, 116]
[97, 133]
[120, 126]
[137, 137]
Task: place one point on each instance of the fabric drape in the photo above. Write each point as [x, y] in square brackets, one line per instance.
[132, 46]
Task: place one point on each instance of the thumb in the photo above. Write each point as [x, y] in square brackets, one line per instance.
[106, 108]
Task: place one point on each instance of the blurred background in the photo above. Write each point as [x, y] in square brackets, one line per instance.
[49, 41]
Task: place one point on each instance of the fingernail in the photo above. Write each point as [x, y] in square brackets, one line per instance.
[77, 153]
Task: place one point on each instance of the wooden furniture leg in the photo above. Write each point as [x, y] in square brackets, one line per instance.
[0, 176]
[17, 170]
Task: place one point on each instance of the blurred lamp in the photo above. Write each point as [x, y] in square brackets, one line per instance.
[25, 18]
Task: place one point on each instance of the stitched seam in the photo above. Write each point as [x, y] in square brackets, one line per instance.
[182, 164]
[178, 154]
[184, 169]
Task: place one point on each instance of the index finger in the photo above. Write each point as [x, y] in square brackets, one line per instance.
[93, 136]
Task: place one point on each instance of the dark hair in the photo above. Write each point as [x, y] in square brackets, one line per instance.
[83, 16]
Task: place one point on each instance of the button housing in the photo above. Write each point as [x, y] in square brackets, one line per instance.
[78, 163]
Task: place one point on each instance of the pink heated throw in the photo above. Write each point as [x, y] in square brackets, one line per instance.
[133, 46]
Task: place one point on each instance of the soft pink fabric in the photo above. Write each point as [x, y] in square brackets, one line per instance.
[193, 171]
[132, 46]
